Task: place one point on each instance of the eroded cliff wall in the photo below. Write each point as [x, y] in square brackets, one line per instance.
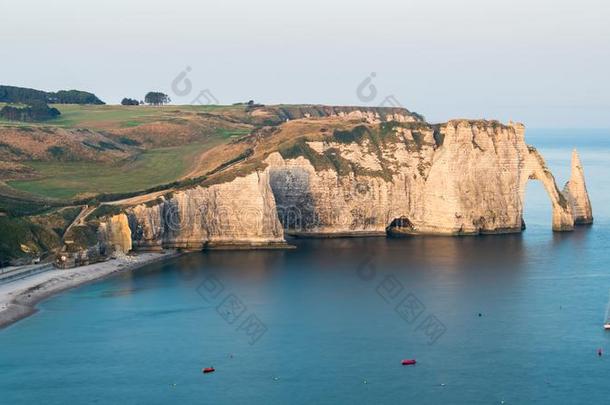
[374, 180]
[239, 213]
[465, 177]
[459, 178]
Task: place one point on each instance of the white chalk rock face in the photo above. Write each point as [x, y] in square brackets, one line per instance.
[575, 191]
[459, 178]
[116, 234]
[239, 213]
[476, 179]
[373, 183]
[464, 177]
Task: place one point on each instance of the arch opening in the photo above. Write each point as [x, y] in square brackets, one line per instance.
[537, 209]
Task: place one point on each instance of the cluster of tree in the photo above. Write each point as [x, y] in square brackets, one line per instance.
[251, 105]
[10, 94]
[35, 111]
[156, 98]
[73, 97]
[152, 98]
[130, 101]
[23, 95]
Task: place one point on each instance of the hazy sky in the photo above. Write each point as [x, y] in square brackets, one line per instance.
[541, 62]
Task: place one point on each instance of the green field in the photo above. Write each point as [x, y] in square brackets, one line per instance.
[151, 167]
[112, 115]
[79, 116]
[66, 180]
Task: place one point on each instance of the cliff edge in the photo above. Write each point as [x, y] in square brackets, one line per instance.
[351, 173]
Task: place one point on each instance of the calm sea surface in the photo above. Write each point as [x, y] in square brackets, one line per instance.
[330, 321]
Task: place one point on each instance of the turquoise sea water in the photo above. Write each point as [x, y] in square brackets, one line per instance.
[330, 321]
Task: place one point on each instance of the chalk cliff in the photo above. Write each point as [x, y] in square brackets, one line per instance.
[354, 174]
[464, 177]
[239, 213]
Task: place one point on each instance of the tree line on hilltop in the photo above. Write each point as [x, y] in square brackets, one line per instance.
[151, 98]
[23, 95]
[31, 105]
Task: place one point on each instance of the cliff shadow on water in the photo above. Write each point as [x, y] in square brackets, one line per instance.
[474, 255]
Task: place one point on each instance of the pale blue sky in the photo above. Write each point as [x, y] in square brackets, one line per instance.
[542, 62]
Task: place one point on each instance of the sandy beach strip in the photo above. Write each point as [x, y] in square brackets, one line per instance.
[18, 298]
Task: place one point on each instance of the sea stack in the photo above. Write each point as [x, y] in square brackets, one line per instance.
[575, 191]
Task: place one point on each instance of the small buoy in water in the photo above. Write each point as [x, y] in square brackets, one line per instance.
[365, 382]
[276, 378]
[408, 362]
[480, 314]
[599, 352]
[208, 370]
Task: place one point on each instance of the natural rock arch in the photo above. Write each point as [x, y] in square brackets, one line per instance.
[563, 219]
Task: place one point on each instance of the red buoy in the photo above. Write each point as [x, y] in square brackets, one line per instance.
[408, 362]
[208, 370]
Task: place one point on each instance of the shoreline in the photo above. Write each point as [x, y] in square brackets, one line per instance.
[18, 299]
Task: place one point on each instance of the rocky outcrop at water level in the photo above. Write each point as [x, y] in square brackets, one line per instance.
[352, 174]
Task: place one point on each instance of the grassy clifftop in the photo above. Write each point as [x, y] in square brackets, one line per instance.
[109, 149]
[93, 149]
[94, 153]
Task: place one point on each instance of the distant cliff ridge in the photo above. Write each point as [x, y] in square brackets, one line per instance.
[349, 172]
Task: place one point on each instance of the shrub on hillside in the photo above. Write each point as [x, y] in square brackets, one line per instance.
[156, 98]
[36, 111]
[129, 101]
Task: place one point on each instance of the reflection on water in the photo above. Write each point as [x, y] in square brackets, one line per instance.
[450, 253]
[117, 293]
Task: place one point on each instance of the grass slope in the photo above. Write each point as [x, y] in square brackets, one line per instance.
[166, 156]
[66, 180]
[114, 116]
